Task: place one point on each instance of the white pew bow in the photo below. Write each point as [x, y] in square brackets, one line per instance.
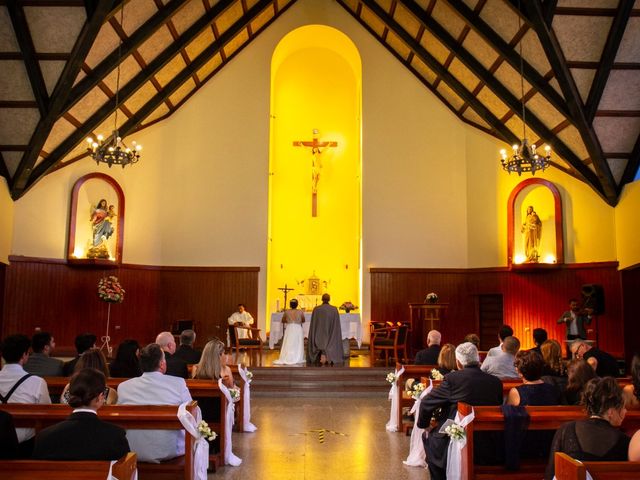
[417, 454]
[392, 424]
[246, 396]
[229, 457]
[454, 455]
[201, 446]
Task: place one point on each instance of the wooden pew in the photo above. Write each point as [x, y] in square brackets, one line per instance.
[410, 371]
[198, 389]
[148, 417]
[541, 418]
[568, 468]
[123, 469]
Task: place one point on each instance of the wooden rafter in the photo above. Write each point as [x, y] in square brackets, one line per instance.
[75, 138]
[531, 75]
[110, 62]
[4, 170]
[485, 76]
[631, 169]
[60, 94]
[534, 14]
[21, 29]
[549, 8]
[611, 46]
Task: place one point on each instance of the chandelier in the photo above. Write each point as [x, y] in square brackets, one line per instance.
[112, 150]
[525, 157]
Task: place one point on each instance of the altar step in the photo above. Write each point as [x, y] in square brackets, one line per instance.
[319, 381]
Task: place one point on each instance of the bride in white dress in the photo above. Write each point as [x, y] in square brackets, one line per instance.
[292, 351]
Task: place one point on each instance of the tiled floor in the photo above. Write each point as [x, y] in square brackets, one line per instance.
[286, 448]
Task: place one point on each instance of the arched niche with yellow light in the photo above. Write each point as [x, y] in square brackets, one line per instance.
[315, 208]
[544, 198]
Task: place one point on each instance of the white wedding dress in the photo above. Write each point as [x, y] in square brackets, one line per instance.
[292, 351]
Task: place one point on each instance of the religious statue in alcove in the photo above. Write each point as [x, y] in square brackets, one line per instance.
[102, 221]
[532, 231]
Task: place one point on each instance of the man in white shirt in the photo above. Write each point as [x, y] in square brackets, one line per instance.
[18, 386]
[504, 332]
[501, 365]
[241, 318]
[154, 388]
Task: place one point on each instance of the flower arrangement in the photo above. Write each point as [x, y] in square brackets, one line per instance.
[110, 290]
[431, 298]
[416, 390]
[206, 432]
[436, 374]
[455, 431]
[235, 393]
[249, 376]
[391, 377]
[348, 306]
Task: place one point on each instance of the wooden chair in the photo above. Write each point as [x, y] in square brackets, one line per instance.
[390, 339]
[253, 342]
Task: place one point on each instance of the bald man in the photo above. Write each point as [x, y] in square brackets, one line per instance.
[176, 367]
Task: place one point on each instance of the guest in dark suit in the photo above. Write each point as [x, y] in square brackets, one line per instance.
[539, 337]
[429, 355]
[468, 384]
[186, 351]
[83, 343]
[83, 436]
[176, 366]
[40, 361]
[8, 437]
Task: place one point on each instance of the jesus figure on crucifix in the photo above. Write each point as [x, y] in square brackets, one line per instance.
[316, 166]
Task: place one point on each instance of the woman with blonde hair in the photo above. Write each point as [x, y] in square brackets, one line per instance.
[213, 364]
[552, 355]
[92, 358]
[447, 358]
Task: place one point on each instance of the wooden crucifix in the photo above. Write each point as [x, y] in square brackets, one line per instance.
[316, 165]
[286, 291]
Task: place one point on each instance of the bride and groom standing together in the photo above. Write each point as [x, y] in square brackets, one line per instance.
[325, 335]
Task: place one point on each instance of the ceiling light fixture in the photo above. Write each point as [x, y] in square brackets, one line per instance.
[112, 150]
[525, 157]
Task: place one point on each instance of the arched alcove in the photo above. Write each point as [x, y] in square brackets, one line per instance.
[316, 78]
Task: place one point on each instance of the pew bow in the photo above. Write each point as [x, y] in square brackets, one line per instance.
[229, 457]
[201, 446]
[454, 455]
[417, 454]
[246, 397]
[392, 424]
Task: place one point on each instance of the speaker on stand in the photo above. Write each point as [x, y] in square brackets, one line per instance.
[593, 298]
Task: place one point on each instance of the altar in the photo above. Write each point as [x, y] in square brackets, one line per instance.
[350, 323]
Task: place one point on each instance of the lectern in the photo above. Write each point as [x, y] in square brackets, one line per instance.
[422, 318]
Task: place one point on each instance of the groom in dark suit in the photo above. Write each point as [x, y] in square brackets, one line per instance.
[467, 384]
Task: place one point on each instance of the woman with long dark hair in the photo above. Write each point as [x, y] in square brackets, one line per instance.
[127, 361]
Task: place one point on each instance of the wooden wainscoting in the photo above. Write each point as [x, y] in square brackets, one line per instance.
[63, 299]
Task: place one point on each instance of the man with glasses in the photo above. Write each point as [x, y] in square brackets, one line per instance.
[603, 363]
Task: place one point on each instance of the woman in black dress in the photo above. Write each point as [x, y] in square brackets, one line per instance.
[533, 391]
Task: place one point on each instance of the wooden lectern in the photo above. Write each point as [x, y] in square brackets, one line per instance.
[422, 318]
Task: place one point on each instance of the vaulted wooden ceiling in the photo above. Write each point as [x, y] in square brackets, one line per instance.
[580, 62]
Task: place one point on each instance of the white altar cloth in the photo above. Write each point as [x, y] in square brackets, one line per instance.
[350, 323]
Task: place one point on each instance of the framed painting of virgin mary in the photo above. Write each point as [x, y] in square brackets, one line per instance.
[96, 221]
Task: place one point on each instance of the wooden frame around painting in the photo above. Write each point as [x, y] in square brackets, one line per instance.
[96, 221]
[557, 222]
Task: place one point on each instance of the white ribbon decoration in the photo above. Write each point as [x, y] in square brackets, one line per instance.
[247, 426]
[454, 455]
[229, 457]
[392, 424]
[417, 455]
[201, 446]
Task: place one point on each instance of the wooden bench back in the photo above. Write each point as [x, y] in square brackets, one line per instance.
[144, 417]
[540, 418]
[123, 469]
[568, 468]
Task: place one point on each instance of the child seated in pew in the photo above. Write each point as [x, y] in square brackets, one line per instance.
[83, 436]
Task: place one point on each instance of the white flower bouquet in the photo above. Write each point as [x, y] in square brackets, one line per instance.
[235, 393]
[391, 377]
[455, 431]
[206, 432]
[431, 298]
[249, 376]
[436, 374]
[417, 390]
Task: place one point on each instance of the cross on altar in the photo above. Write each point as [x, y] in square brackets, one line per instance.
[315, 146]
[286, 291]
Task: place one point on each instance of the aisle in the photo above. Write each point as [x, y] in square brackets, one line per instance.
[285, 448]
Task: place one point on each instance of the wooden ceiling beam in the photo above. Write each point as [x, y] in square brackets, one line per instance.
[533, 12]
[530, 74]
[110, 62]
[139, 80]
[549, 7]
[631, 170]
[616, 32]
[4, 170]
[485, 76]
[460, 90]
[58, 98]
[23, 35]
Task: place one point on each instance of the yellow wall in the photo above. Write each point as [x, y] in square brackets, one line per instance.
[628, 225]
[315, 87]
[6, 221]
[432, 191]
